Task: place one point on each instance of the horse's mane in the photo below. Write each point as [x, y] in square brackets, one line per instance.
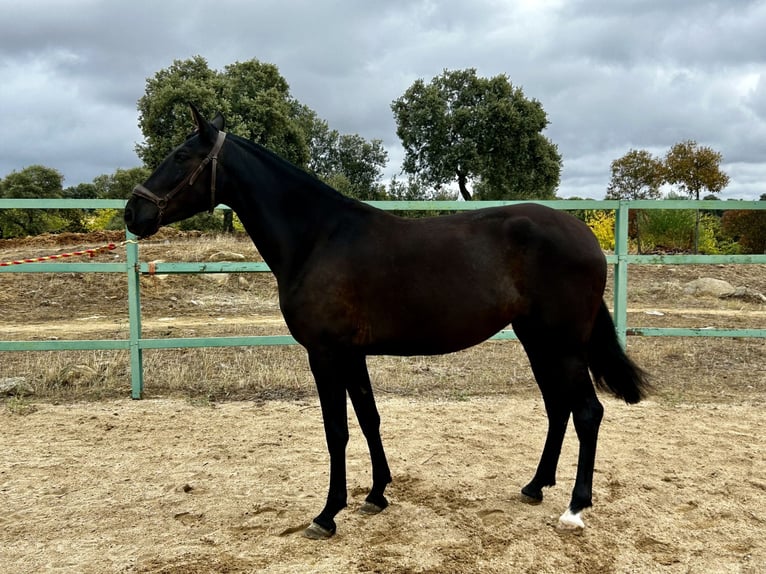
[306, 178]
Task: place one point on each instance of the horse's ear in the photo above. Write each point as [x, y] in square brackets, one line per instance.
[205, 128]
[218, 122]
[199, 121]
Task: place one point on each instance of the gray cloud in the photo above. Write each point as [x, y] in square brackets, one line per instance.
[611, 75]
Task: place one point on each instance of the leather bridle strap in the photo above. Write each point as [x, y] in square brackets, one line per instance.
[162, 202]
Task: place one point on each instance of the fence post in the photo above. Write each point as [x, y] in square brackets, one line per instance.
[621, 271]
[134, 317]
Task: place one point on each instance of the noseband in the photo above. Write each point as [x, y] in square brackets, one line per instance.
[162, 202]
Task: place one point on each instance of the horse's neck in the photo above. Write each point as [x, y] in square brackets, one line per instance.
[284, 212]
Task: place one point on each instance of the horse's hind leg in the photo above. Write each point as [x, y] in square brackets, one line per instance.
[562, 374]
[558, 409]
[360, 391]
[587, 413]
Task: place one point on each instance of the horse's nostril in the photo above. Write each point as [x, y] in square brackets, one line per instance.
[128, 215]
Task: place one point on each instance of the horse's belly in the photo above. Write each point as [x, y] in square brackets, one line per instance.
[431, 337]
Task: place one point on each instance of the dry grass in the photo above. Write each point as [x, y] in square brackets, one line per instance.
[683, 371]
[40, 306]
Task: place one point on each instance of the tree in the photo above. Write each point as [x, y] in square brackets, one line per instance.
[255, 100]
[636, 175]
[163, 111]
[414, 190]
[464, 129]
[33, 182]
[120, 184]
[259, 107]
[694, 169]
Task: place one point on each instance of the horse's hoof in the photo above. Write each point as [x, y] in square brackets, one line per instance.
[571, 522]
[316, 532]
[531, 496]
[532, 500]
[370, 508]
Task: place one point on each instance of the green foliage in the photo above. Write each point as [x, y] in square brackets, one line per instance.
[709, 225]
[581, 214]
[39, 182]
[668, 229]
[414, 190]
[636, 175]
[464, 129]
[213, 222]
[100, 219]
[349, 163]
[81, 191]
[257, 105]
[120, 184]
[674, 230]
[256, 102]
[33, 182]
[164, 108]
[690, 167]
[694, 169]
[253, 97]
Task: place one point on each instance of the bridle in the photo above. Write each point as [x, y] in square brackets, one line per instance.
[162, 202]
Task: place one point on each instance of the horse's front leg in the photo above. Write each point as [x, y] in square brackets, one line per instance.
[332, 398]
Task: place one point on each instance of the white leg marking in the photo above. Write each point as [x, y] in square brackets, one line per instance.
[571, 521]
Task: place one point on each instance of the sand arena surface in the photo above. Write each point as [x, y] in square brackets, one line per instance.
[209, 475]
[164, 486]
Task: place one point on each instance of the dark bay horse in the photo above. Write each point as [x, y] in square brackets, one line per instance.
[356, 281]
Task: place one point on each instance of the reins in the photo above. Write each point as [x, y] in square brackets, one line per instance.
[162, 202]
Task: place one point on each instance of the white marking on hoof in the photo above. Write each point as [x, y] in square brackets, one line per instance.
[571, 521]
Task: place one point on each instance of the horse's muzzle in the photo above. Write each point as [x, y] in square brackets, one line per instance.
[136, 223]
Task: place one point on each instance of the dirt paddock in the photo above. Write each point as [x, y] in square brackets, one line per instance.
[209, 474]
[164, 486]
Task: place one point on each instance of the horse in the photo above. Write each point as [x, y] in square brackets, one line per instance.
[354, 281]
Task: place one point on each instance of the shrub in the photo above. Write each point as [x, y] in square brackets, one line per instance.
[748, 228]
[602, 225]
[668, 229]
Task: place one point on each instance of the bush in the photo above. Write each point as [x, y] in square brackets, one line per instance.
[101, 219]
[602, 225]
[747, 228]
[668, 229]
[202, 222]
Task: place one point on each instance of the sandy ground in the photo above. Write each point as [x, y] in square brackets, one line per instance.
[164, 486]
[176, 486]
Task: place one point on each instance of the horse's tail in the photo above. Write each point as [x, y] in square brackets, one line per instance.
[612, 369]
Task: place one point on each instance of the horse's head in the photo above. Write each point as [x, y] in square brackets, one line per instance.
[183, 185]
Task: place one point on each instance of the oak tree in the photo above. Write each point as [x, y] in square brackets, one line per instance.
[256, 101]
[482, 134]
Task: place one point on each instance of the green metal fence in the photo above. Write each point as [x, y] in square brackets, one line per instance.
[133, 268]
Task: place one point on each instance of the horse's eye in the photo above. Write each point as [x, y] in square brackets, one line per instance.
[182, 156]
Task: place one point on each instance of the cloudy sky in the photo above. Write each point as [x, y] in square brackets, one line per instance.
[612, 75]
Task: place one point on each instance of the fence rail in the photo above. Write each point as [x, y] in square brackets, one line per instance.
[133, 268]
